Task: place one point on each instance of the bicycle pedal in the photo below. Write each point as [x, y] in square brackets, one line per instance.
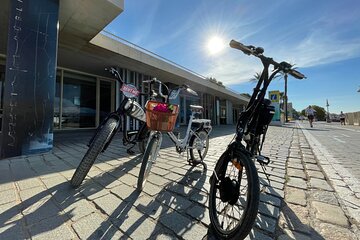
[263, 160]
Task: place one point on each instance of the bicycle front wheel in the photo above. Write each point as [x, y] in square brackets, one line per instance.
[234, 196]
[149, 158]
[199, 145]
[94, 150]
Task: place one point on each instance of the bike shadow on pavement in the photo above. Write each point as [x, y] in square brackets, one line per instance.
[47, 209]
[289, 223]
[173, 211]
[294, 227]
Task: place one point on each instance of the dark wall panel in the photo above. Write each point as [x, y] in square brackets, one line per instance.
[30, 77]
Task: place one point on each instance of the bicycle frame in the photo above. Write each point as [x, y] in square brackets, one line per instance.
[248, 120]
[183, 143]
[121, 114]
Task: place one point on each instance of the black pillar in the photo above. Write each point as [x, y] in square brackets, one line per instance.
[30, 77]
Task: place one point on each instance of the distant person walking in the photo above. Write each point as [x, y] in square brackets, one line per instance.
[342, 118]
[310, 112]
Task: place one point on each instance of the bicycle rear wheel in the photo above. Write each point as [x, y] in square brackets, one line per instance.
[149, 158]
[234, 196]
[94, 150]
[199, 145]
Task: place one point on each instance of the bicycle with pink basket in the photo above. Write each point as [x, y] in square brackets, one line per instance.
[161, 118]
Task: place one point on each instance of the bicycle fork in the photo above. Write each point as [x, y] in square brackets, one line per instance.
[157, 135]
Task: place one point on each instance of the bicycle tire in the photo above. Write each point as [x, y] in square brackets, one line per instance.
[196, 146]
[250, 210]
[93, 151]
[150, 153]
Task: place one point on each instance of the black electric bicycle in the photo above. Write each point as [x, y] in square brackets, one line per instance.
[111, 124]
[234, 184]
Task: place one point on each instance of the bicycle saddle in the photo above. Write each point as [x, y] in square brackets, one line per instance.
[196, 108]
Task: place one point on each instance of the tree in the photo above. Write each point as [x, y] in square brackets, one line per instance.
[246, 95]
[285, 75]
[256, 77]
[295, 114]
[320, 113]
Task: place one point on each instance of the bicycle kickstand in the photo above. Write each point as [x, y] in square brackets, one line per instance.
[193, 162]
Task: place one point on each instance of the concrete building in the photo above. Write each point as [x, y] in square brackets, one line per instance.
[52, 59]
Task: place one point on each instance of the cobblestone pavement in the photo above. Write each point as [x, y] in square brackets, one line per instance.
[36, 200]
[341, 169]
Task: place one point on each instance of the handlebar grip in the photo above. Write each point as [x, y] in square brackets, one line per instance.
[296, 74]
[240, 46]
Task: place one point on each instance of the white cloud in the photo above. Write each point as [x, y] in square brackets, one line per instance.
[318, 50]
[233, 68]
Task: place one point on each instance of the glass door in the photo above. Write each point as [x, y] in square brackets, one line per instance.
[107, 98]
[79, 101]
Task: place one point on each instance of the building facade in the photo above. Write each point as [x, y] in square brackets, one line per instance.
[53, 79]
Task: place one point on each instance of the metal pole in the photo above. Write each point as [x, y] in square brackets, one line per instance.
[285, 107]
[327, 109]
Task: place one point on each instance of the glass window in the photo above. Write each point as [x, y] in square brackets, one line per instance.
[79, 101]
[105, 99]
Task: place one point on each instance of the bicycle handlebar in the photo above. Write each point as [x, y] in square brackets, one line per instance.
[114, 72]
[154, 80]
[258, 52]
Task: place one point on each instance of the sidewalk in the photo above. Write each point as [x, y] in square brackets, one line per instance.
[37, 202]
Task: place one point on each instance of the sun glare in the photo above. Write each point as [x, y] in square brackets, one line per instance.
[215, 45]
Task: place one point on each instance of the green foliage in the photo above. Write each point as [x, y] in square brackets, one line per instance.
[295, 114]
[246, 95]
[320, 113]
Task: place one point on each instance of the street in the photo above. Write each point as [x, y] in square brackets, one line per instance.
[342, 142]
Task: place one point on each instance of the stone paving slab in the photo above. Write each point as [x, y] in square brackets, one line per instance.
[36, 200]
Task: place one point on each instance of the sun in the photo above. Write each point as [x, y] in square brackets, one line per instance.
[215, 45]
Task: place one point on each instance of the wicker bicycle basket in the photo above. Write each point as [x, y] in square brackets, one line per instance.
[160, 121]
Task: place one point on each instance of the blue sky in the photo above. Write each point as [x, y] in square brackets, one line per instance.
[322, 39]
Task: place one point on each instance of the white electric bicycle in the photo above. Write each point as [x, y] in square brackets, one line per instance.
[195, 143]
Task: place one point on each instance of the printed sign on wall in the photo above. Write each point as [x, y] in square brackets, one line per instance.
[274, 96]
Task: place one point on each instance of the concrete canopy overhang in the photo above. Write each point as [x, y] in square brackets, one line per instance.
[131, 57]
[103, 51]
